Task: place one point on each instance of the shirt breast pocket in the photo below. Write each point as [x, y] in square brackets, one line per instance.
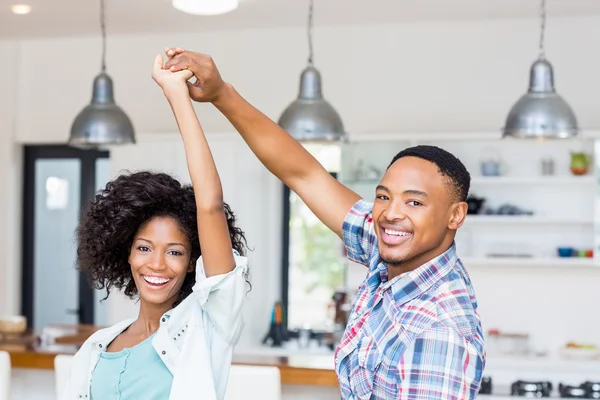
[365, 365]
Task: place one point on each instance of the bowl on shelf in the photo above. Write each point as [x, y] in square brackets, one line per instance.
[12, 325]
[565, 251]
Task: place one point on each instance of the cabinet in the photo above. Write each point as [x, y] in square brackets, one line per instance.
[562, 205]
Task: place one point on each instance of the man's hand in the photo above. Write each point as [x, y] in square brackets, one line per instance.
[208, 85]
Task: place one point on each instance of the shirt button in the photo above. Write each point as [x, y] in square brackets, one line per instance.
[100, 345]
[164, 352]
[163, 320]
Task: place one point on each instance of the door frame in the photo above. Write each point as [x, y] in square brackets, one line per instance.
[87, 192]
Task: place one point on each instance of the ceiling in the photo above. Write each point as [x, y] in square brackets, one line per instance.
[80, 17]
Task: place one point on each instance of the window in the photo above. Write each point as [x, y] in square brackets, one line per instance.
[313, 261]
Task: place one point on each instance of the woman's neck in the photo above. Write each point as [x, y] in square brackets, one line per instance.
[149, 317]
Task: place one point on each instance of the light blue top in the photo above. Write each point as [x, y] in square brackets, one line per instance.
[131, 374]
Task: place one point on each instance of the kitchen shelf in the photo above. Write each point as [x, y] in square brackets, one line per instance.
[534, 180]
[525, 219]
[529, 261]
[552, 363]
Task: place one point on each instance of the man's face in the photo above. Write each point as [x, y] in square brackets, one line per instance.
[415, 213]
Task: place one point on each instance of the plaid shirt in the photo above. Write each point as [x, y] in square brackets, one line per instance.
[417, 336]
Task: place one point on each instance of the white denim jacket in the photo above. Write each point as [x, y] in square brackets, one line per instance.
[195, 339]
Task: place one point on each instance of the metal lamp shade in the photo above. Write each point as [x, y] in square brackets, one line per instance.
[102, 122]
[310, 118]
[541, 113]
[205, 7]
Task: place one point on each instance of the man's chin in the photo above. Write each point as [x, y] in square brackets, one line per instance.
[392, 259]
[393, 255]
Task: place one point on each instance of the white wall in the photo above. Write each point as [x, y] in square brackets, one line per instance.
[384, 78]
[10, 172]
[453, 76]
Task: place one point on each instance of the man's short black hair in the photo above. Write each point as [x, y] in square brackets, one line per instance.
[448, 165]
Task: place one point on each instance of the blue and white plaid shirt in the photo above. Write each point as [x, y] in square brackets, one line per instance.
[417, 336]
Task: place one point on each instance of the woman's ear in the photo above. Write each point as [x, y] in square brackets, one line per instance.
[192, 267]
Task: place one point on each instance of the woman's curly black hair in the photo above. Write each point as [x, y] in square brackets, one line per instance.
[111, 220]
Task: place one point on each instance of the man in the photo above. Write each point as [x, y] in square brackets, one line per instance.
[414, 331]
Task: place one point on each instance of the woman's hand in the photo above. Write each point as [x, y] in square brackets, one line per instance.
[172, 83]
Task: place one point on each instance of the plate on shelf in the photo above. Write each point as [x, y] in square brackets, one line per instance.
[580, 353]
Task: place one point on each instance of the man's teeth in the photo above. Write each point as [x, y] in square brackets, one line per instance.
[156, 280]
[396, 233]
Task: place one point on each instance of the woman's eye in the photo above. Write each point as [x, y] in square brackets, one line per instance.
[143, 248]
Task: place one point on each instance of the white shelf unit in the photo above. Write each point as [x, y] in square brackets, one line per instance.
[525, 220]
[563, 204]
[543, 262]
[562, 180]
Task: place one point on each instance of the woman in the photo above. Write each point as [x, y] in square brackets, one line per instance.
[143, 234]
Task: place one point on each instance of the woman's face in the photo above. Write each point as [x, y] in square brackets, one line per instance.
[160, 259]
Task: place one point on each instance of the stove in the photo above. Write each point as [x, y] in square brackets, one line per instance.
[539, 389]
[531, 389]
[587, 390]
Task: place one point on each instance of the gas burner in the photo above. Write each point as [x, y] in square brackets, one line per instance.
[592, 389]
[531, 389]
[486, 385]
[587, 390]
[571, 392]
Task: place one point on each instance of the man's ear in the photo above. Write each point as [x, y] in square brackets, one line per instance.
[458, 213]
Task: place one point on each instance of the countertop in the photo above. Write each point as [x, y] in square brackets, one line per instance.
[294, 369]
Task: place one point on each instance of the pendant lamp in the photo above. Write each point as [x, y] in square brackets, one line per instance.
[102, 122]
[310, 118]
[541, 113]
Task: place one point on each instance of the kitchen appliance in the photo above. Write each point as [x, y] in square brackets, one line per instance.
[474, 204]
[531, 389]
[538, 389]
[587, 390]
[486, 385]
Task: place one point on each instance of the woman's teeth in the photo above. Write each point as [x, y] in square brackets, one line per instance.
[155, 280]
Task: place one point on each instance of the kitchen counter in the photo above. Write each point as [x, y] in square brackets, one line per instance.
[294, 369]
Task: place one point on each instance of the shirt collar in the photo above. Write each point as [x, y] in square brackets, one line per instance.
[410, 285]
[103, 339]
[105, 336]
